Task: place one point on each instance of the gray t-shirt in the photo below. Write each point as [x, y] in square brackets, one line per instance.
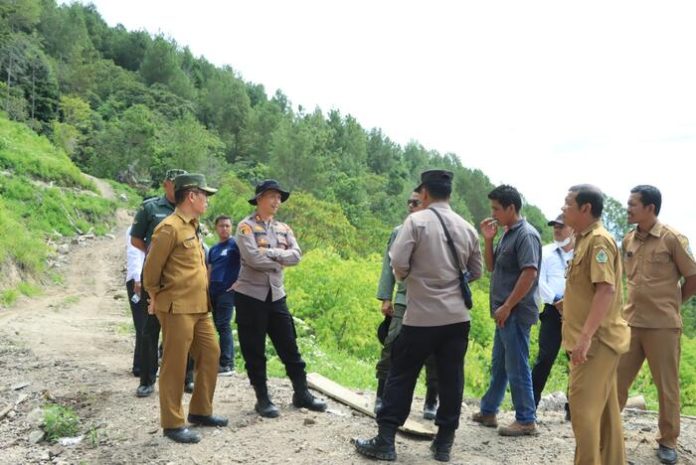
[519, 248]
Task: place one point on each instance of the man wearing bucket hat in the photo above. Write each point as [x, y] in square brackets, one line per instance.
[554, 260]
[433, 251]
[393, 308]
[267, 246]
[150, 214]
[176, 279]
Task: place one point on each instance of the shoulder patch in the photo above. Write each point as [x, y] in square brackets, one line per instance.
[244, 228]
[601, 256]
[684, 241]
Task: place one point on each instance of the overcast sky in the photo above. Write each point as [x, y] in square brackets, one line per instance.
[541, 95]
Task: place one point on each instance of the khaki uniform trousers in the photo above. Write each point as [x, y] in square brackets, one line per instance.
[594, 402]
[183, 333]
[662, 348]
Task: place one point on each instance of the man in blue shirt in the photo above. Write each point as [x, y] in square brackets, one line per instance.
[514, 263]
[223, 269]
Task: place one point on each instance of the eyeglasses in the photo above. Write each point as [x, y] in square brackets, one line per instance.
[413, 203]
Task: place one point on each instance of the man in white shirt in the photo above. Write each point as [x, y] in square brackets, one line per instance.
[555, 257]
[134, 266]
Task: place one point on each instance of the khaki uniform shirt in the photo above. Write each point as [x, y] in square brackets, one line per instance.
[175, 269]
[596, 260]
[265, 248]
[420, 256]
[655, 262]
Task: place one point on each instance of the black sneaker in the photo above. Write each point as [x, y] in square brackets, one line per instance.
[225, 371]
[667, 455]
[182, 435]
[145, 390]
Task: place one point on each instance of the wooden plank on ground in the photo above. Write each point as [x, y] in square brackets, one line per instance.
[359, 403]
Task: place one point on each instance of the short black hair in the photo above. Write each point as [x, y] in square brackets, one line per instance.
[506, 195]
[649, 195]
[587, 193]
[222, 218]
[181, 194]
[439, 190]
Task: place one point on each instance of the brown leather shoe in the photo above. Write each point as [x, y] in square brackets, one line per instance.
[490, 421]
[518, 429]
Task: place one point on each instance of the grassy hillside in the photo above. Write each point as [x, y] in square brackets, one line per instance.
[43, 197]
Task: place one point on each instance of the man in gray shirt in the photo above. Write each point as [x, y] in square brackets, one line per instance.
[515, 264]
[437, 320]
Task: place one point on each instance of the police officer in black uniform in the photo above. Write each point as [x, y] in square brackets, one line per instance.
[267, 246]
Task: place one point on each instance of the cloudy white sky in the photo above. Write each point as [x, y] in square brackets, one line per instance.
[541, 95]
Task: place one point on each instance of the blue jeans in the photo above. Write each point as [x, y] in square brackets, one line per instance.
[223, 307]
[510, 360]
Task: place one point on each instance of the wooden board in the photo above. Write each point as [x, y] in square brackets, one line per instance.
[359, 403]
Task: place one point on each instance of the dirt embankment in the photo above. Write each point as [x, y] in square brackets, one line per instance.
[72, 345]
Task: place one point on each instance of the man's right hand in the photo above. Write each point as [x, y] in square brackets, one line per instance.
[387, 308]
[137, 287]
[489, 228]
[559, 306]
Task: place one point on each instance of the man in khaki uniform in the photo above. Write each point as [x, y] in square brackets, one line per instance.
[176, 280]
[656, 258]
[594, 332]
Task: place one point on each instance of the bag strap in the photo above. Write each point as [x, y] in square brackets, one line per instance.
[449, 239]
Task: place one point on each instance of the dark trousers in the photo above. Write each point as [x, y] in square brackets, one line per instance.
[549, 345]
[149, 354]
[223, 309]
[384, 362]
[411, 348]
[255, 319]
[139, 318]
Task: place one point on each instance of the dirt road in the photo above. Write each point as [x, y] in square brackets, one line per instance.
[73, 344]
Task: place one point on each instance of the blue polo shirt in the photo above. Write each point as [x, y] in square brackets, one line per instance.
[224, 262]
[519, 248]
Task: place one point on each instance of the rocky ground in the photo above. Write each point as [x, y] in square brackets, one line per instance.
[72, 345]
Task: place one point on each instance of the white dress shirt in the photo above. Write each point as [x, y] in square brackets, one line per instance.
[552, 275]
[134, 260]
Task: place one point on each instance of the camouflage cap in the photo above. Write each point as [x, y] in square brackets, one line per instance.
[192, 180]
[171, 174]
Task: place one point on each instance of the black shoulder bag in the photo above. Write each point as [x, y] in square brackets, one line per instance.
[463, 276]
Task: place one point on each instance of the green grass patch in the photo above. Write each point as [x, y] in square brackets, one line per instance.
[28, 289]
[8, 297]
[69, 300]
[60, 422]
[25, 153]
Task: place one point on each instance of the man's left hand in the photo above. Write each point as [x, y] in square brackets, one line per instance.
[501, 315]
[579, 353]
[151, 305]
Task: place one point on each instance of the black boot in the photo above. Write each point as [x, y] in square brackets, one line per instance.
[430, 405]
[442, 445]
[381, 447]
[378, 398]
[303, 398]
[264, 406]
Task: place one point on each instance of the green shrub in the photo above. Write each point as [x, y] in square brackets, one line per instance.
[60, 421]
